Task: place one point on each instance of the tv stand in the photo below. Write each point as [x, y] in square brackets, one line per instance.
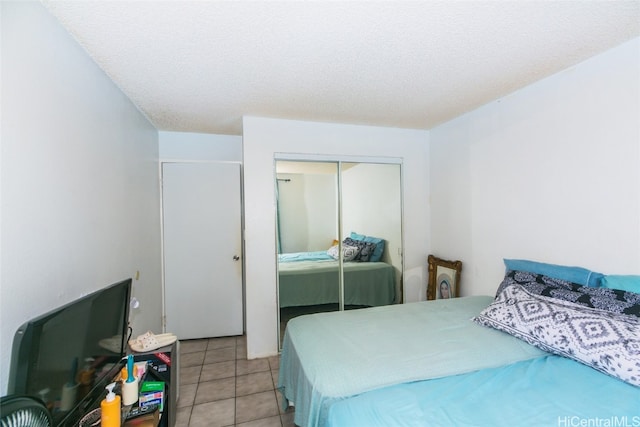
[164, 365]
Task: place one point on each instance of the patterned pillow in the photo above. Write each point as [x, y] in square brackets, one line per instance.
[614, 300]
[608, 342]
[365, 249]
[349, 253]
[378, 250]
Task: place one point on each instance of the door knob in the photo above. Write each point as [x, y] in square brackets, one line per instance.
[236, 257]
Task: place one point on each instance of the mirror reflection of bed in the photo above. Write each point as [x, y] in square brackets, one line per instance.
[322, 217]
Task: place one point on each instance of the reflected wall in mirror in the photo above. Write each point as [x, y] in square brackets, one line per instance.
[307, 195]
[339, 232]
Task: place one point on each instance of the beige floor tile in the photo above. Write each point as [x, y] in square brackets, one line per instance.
[244, 367]
[191, 346]
[219, 387]
[215, 390]
[220, 355]
[191, 359]
[253, 383]
[262, 422]
[213, 414]
[222, 342]
[241, 350]
[187, 395]
[256, 406]
[190, 375]
[182, 416]
[274, 362]
[215, 371]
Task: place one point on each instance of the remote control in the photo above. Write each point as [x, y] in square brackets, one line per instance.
[138, 411]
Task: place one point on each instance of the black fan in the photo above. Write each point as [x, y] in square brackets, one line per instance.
[23, 411]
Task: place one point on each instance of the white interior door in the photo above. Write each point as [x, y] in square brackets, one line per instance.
[202, 249]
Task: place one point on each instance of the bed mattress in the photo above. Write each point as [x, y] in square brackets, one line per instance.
[319, 367]
[314, 282]
[546, 391]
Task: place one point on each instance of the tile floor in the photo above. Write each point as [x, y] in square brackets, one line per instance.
[220, 387]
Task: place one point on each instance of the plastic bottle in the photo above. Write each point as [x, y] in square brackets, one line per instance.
[70, 389]
[86, 377]
[110, 409]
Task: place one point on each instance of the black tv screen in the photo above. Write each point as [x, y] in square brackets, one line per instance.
[67, 356]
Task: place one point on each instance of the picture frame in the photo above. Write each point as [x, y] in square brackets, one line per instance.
[444, 278]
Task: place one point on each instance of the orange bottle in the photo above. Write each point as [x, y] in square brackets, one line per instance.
[110, 410]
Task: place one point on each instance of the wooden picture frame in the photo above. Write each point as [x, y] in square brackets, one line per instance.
[444, 278]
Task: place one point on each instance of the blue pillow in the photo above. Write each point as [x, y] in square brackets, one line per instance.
[622, 283]
[578, 275]
[356, 236]
[377, 253]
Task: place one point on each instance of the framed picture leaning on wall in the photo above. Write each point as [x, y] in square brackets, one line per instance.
[444, 278]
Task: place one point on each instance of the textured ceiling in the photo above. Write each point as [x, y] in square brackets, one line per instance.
[198, 66]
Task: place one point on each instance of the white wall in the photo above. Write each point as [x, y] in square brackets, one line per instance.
[307, 211]
[262, 138]
[79, 187]
[370, 204]
[187, 146]
[550, 173]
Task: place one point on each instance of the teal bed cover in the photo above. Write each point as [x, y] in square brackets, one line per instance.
[304, 256]
[311, 282]
[546, 391]
[327, 357]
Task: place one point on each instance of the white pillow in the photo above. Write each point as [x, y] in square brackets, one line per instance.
[608, 342]
[348, 252]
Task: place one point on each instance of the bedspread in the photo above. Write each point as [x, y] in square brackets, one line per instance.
[414, 341]
[546, 391]
[316, 282]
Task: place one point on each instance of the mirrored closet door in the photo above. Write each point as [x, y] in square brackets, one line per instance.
[339, 236]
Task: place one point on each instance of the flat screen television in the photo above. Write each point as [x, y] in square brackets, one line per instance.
[66, 357]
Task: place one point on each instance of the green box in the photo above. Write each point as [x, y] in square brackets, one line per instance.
[151, 393]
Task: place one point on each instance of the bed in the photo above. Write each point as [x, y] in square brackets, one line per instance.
[311, 278]
[450, 362]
